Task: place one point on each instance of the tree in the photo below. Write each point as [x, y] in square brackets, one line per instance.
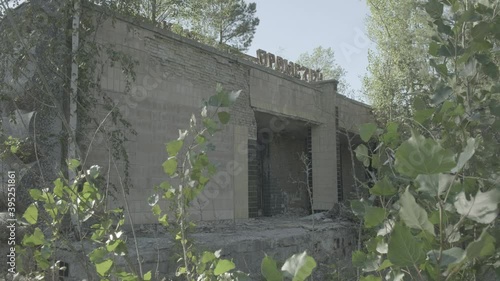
[434, 205]
[222, 22]
[397, 69]
[324, 60]
[160, 10]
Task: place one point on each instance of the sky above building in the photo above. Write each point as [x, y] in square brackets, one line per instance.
[289, 28]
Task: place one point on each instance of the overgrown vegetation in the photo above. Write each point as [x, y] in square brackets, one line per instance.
[108, 257]
[324, 59]
[432, 213]
[35, 65]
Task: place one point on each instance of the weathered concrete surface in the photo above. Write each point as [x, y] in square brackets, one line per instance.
[352, 114]
[246, 243]
[174, 75]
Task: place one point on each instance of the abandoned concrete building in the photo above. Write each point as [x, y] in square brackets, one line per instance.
[275, 120]
[278, 117]
[284, 114]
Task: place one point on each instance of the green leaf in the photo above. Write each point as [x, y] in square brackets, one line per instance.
[223, 117]
[385, 264]
[358, 207]
[147, 276]
[14, 149]
[41, 260]
[117, 247]
[480, 30]
[103, 267]
[371, 244]
[31, 214]
[36, 194]
[404, 248]
[465, 155]
[165, 186]
[392, 134]
[213, 101]
[367, 262]
[441, 94]
[413, 214]
[97, 255]
[434, 184]
[482, 247]
[470, 16]
[443, 71]
[366, 131]
[483, 208]
[419, 155]
[163, 220]
[269, 269]
[480, 46]
[434, 49]
[299, 266]
[181, 270]
[491, 69]
[362, 154]
[174, 147]
[210, 125]
[156, 210]
[223, 266]
[434, 9]
[450, 256]
[170, 166]
[374, 216]
[383, 187]
[207, 257]
[201, 139]
[223, 97]
[443, 27]
[58, 187]
[73, 164]
[424, 114]
[358, 258]
[35, 239]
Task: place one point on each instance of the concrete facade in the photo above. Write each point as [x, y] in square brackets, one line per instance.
[245, 244]
[175, 74]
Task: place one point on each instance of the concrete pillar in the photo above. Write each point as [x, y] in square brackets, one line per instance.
[240, 172]
[324, 152]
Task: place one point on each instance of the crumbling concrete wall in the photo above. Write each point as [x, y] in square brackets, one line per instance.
[172, 79]
[352, 113]
[246, 244]
[173, 76]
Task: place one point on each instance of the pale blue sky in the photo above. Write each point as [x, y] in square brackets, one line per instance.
[289, 28]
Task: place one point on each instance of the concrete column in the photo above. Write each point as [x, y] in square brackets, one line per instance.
[240, 172]
[324, 152]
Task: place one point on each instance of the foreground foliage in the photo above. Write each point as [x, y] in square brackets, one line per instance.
[433, 208]
[108, 257]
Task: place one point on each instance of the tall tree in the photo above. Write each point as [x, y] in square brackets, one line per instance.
[324, 59]
[398, 68]
[222, 22]
[160, 10]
